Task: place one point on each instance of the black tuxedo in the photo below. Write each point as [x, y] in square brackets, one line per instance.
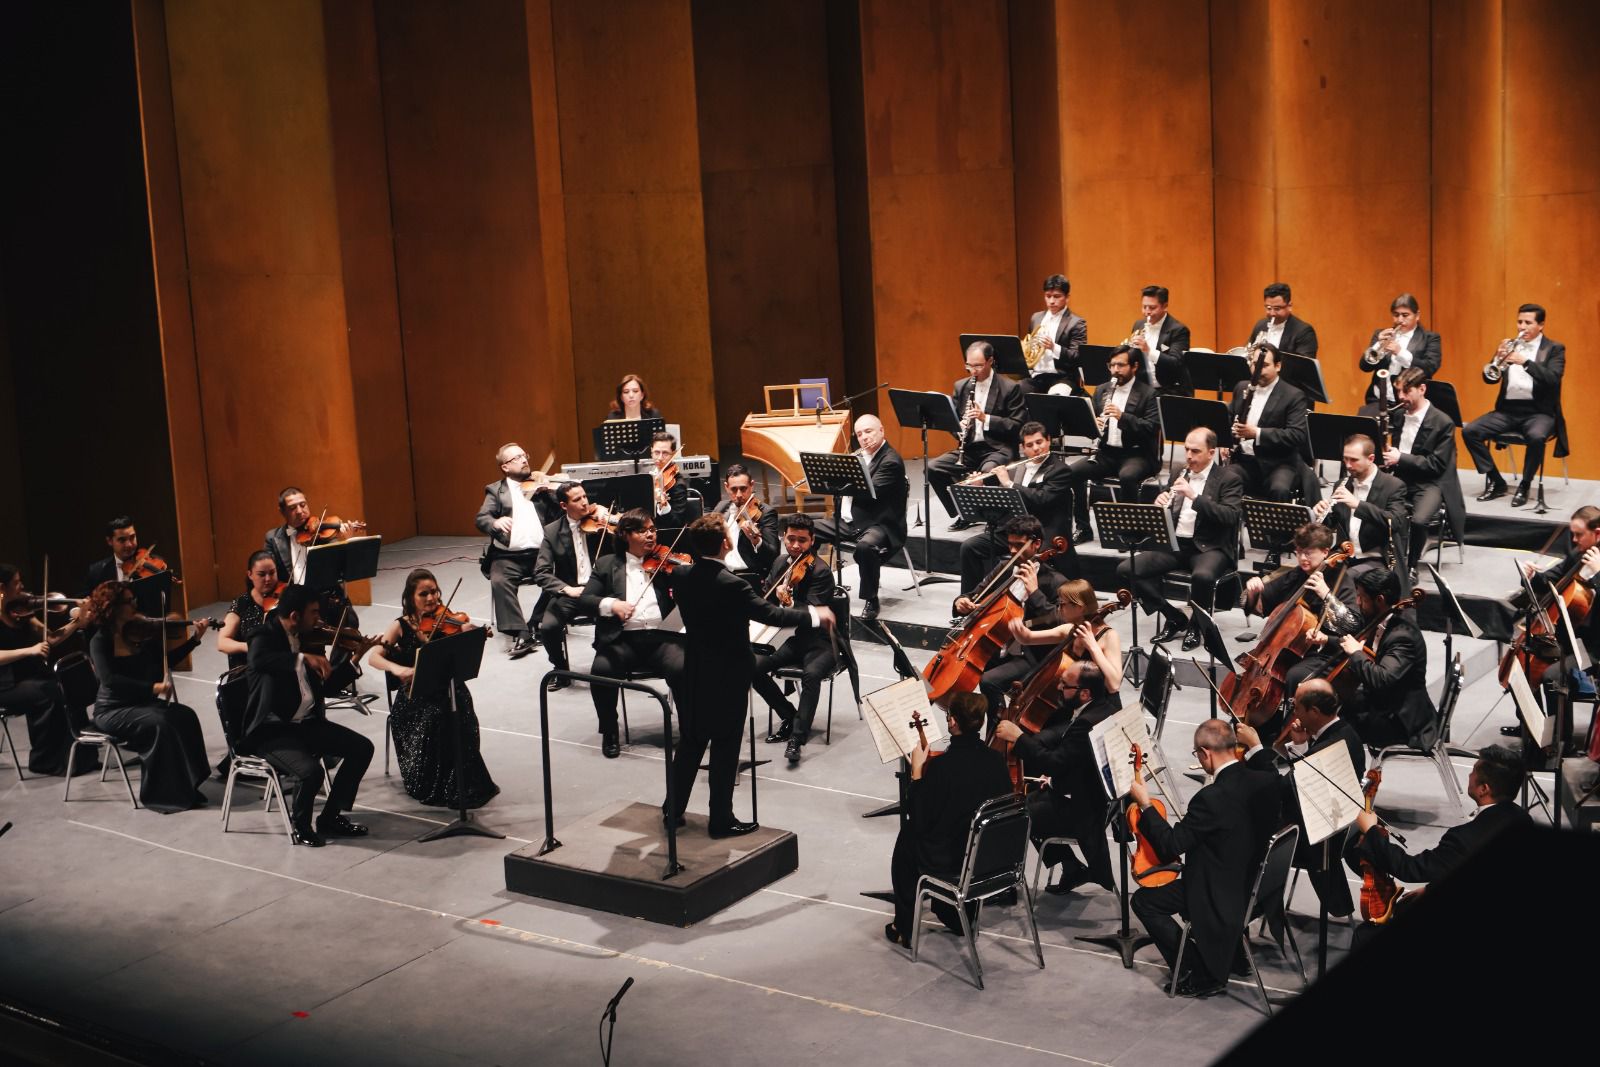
[1537, 419]
[1006, 406]
[1278, 470]
[1429, 471]
[1046, 498]
[810, 649]
[1458, 845]
[1387, 508]
[1209, 554]
[677, 515]
[877, 522]
[618, 650]
[1131, 462]
[933, 840]
[101, 571]
[505, 569]
[1425, 356]
[1393, 706]
[555, 569]
[1075, 804]
[717, 608]
[1072, 333]
[298, 748]
[757, 557]
[1167, 361]
[1299, 336]
[1320, 859]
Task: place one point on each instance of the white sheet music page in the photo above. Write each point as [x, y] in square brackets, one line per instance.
[889, 713]
[1540, 726]
[1324, 808]
[1113, 741]
[1578, 651]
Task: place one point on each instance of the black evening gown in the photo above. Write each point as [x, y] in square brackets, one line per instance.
[28, 688]
[167, 736]
[425, 743]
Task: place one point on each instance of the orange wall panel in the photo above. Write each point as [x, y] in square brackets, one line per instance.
[1036, 151]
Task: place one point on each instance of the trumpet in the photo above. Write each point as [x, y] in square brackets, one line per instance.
[1497, 366]
[1374, 356]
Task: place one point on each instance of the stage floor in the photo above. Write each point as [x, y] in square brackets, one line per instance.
[244, 950]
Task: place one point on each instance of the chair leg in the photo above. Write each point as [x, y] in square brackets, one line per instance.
[388, 731]
[627, 734]
[1033, 927]
[1294, 946]
[916, 925]
[275, 788]
[969, 933]
[124, 769]
[1447, 775]
[916, 581]
[827, 733]
[72, 760]
[1177, 963]
[1255, 969]
[5, 723]
[227, 793]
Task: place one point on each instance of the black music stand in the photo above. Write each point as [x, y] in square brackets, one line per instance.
[330, 566]
[1092, 363]
[1180, 414]
[1008, 358]
[1329, 432]
[1206, 631]
[1215, 372]
[838, 476]
[152, 594]
[1442, 395]
[442, 662]
[988, 503]
[1124, 941]
[1063, 416]
[928, 411]
[623, 494]
[1305, 374]
[1128, 527]
[626, 438]
[1455, 619]
[1273, 524]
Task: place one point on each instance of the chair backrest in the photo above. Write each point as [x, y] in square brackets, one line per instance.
[997, 844]
[1442, 395]
[1156, 693]
[1453, 675]
[75, 676]
[1272, 878]
[839, 603]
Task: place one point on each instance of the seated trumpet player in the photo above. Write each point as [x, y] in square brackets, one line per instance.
[1033, 585]
[671, 494]
[1269, 421]
[1396, 348]
[753, 527]
[1422, 454]
[1053, 339]
[797, 577]
[1130, 437]
[1281, 327]
[1366, 496]
[1041, 477]
[1528, 368]
[992, 408]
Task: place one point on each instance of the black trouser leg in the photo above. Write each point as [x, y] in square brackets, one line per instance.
[553, 628]
[506, 575]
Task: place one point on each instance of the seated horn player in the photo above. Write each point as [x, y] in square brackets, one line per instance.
[1041, 477]
[1130, 437]
[797, 577]
[1055, 334]
[1269, 421]
[1423, 456]
[1033, 585]
[752, 526]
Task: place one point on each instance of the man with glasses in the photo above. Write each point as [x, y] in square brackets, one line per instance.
[515, 510]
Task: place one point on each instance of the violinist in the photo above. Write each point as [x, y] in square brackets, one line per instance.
[136, 702]
[1222, 838]
[945, 793]
[247, 614]
[1043, 480]
[27, 685]
[290, 542]
[423, 723]
[513, 516]
[1206, 500]
[633, 401]
[1269, 421]
[1391, 706]
[630, 598]
[1073, 801]
[286, 722]
[572, 542]
[1422, 454]
[876, 522]
[671, 490]
[752, 526]
[1130, 437]
[122, 537]
[797, 577]
[1367, 496]
[992, 409]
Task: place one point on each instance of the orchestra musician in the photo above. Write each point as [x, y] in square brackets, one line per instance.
[630, 598]
[136, 702]
[877, 522]
[811, 650]
[28, 687]
[1404, 345]
[1075, 602]
[1163, 340]
[1042, 478]
[717, 608]
[1392, 706]
[1422, 454]
[289, 555]
[1269, 421]
[1529, 369]
[633, 401]
[755, 538]
[1130, 437]
[1281, 328]
[566, 559]
[246, 615]
[286, 722]
[1033, 585]
[992, 409]
[1206, 500]
[671, 500]
[513, 516]
[1582, 560]
[435, 740]
[944, 795]
[1060, 333]
[1367, 495]
[1222, 838]
[123, 539]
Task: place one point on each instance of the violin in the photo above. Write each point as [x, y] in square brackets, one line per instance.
[328, 529]
[750, 515]
[145, 564]
[1534, 643]
[142, 628]
[784, 591]
[917, 723]
[1379, 894]
[345, 638]
[982, 635]
[1338, 678]
[442, 623]
[269, 601]
[1148, 870]
[19, 607]
[661, 560]
[596, 522]
[1257, 691]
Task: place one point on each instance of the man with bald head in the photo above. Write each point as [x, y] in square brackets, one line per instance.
[876, 523]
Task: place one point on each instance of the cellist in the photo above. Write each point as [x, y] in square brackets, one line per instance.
[1035, 587]
[1392, 705]
[1581, 563]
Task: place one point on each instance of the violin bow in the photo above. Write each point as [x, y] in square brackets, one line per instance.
[651, 577]
[1206, 674]
[987, 589]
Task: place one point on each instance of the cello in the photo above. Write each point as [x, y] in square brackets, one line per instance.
[1535, 644]
[983, 634]
[1146, 865]
[1379, 894]
[1257, 691]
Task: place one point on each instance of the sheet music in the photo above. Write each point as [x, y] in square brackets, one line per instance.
[1323, 808]
[889, 714]
[1113, 741]
[762, 633]
[1540, 726]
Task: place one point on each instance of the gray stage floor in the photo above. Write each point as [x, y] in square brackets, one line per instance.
[240, 948]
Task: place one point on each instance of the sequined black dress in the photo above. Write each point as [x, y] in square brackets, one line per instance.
[424, 740]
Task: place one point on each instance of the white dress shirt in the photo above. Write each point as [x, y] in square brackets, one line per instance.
[641, 593]
[1118, 399]
[1398, 362]
[1409, 428]
[1186, 512]
[1361, 491]
[1049, 326]
[1258, 404]
[1519, 383]
[580, 549]
[980, 399]
[307, 699]
[297, 559]
[527, 532]
[1273, 334]
[1030, 470]
[735, 561]
[1152, 338]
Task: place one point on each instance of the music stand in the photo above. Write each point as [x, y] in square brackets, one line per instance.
[1270, 523]
[1209, 635]
[1442, 395]
[352, 560]
[1092, 364]
[623, 494]
[1008, 358]
[442, 662]
[1062, 416]
[1191, 413]
[1305, 374]
[929, 411]
[1125, 526]
[1455, 618]
[1215, 372]
[838, 476]
[988, 503]
[626, 438]
[152, 594]
[1329, 432]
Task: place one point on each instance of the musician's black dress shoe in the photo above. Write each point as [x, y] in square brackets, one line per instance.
[559, 683]
[609, 748]
[1173, 629]
[339, 825]
[961, 524]
[869, 609]
[781, 734]
[1514, 730]
[1493, 490]
[733, 829]
[303, 834]
[1082, 536]
[792, 752]
[1520, 497]
[1191, 639]
[1189, 987]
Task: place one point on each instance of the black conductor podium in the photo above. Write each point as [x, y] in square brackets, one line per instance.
[1129, 528]
[441, 663]
[626, 438]
[1008, 358]
[927, 411]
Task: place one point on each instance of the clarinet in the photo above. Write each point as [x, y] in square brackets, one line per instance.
[970, 425]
